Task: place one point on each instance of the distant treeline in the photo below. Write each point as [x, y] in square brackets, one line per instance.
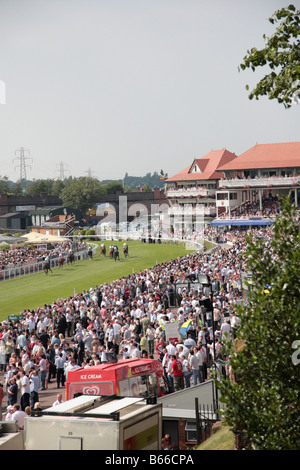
[54, 187]
[136, 182]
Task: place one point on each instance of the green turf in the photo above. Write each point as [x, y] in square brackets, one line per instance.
[223, 439]
[35, 290]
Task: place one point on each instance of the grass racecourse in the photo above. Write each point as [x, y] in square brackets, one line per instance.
[35, 290]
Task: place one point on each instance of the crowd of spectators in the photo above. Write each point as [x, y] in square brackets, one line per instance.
[127, 318]
[270, 208]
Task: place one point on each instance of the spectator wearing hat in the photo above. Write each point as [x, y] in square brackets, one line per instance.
[10, 410]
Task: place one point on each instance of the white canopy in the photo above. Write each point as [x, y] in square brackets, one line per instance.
[35, 237]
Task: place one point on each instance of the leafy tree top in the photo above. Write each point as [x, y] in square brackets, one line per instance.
[282, 54]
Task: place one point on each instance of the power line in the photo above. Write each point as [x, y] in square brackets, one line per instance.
[22, 159]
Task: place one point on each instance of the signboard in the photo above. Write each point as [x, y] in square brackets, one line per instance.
[13, 317]
[246, 281]
[25, 208]
[171, 330]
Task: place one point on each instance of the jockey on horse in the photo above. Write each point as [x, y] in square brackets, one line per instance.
[111, 251]
[70, 256]
[90, 252]
[125, 249]
[103, 249]
[61, 261]
[46, 265]
[116, 253]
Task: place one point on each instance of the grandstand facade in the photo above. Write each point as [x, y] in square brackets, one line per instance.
[227, 186]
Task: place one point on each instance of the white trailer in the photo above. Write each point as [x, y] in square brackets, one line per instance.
[96, 423]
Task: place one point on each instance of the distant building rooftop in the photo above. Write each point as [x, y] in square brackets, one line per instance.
[204, 168]
[281, 155]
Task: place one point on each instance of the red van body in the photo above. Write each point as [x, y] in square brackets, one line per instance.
[127, 378]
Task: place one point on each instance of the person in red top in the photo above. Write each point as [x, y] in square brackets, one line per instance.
[176, 370]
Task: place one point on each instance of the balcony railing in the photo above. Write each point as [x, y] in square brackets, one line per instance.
[185, 193]
[262, 182]
[200, 209]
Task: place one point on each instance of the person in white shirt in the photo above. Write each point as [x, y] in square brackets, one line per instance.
[171, 348]
[10, 411]
[72, 365]
[116, 331]
[189, 342]
[30, 324]
[42, 325]
[25, 390]
[135, 352]
[234, 323]
[58, 400]
[186, 371]
[125, 350]
[225, 330]
[194, 365]
[182, 350]
[199, 356]
[19, 416]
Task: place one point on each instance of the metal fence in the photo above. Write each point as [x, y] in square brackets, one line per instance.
[206, 417]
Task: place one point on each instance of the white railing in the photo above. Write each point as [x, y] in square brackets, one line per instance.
[190, 210]
[260, 182]
[190, 192]
[34, 267]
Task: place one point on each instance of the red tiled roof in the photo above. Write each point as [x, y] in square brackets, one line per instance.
[207, 165]
[282, 155]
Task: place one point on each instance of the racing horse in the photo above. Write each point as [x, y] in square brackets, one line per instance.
[125, 250]
[116, 254]
[111, 252]
[46, 267]
[70, 258]
[90, 253]
[61, 262]
[103, 250]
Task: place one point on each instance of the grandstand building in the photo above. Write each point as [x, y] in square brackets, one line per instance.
[260, 174]
[225, 186]
[192, 192]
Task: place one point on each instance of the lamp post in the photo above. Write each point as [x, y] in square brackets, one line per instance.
[204, 279]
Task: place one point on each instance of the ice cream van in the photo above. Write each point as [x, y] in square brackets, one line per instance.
[127, 378]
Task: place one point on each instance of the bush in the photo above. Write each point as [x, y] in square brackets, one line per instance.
[90, 232]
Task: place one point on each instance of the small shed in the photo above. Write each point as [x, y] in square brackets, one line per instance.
[189, 414]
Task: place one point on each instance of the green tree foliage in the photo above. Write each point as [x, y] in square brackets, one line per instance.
[282, 54]
[113, 186]
[35, 188]
[4, 185]
[80, 193]
[57, 187]
[147, 188]
[262, 402]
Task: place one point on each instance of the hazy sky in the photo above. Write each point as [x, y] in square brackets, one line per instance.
[114, 86]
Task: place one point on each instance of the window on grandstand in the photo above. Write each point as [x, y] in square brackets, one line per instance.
[222, 196]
